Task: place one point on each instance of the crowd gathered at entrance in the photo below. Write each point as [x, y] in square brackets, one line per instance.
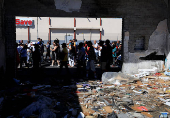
[85, 55]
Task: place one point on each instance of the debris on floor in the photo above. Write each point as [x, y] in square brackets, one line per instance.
[142, 95]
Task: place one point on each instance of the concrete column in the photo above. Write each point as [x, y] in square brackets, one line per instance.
[10, 45]
[28, 33]
[100, 31]
[49, 35]
[74, 26]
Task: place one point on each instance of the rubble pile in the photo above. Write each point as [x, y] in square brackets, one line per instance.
[125, 96]
[116, 95]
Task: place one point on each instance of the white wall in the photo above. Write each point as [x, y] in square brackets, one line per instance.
[60, 22]
[87, 22]
[112, 28]
[43, 28]
[33, 29]
[61, 33]
[95, 34]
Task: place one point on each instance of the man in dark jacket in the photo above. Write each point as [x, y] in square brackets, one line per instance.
[103, 56]
[109, 55]
[91, 59]
[36, 57]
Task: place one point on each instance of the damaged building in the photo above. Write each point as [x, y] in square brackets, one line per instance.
[146, 50]
[145, 25]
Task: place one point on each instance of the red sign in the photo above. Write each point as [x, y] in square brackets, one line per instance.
[23, 22]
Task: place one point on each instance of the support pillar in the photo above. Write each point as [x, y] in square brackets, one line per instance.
[74, 26]
[28, 33]
[49, 35]
[100, 31]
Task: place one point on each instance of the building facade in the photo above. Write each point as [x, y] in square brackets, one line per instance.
[50, 28]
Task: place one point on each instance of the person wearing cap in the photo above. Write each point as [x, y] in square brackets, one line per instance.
[64, 58]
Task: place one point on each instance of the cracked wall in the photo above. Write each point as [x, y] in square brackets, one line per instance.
[140, 18]
[158, 43]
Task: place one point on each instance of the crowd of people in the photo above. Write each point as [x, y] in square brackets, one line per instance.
[84, 55]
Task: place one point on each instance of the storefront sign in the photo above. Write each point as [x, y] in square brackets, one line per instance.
[24, 21]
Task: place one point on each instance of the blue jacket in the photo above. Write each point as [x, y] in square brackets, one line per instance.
[114, 50]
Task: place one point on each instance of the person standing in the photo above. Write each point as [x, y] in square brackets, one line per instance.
[29, 44]
[99, 49]
[24, 56]
[91, 59]
[48, 51]
[95, 46]
[36, 56]
[119, 49]
[109, 55]
[103, 57]
[17, 57]
[71, 55]
[118, 43]
[53, 53]
[64, 58]
[119, 61]
[76, 49]
[57, 53]
[81, 59]
[114, 55]
[68, 47]
[41, 50]
[39, 42]
[28, 51]
[21, 42]
[19, 48]
[113, 45]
